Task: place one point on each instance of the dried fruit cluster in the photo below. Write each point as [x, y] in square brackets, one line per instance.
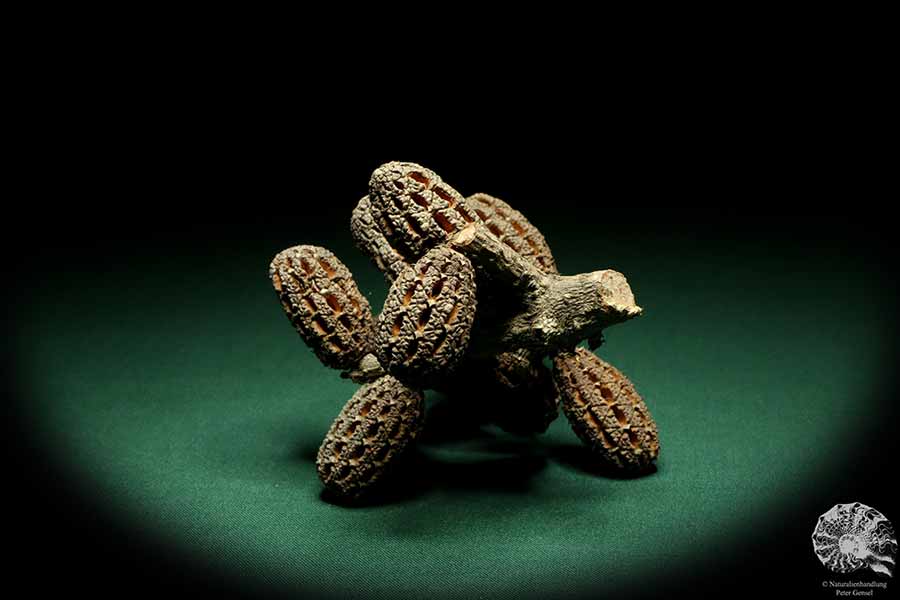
[476, 303]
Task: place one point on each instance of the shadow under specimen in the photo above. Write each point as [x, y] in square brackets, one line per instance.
[459, 451]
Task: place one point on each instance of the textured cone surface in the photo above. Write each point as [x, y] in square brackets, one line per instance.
[605, 411]
[374, 427]
[414, 209]
[513, 229]
[371, 241]
[424, 328]
[324, 304]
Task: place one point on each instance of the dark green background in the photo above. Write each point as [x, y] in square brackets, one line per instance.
[167, 390]
[163, 415]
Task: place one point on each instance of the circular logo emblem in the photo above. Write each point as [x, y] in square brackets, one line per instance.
[854, 536]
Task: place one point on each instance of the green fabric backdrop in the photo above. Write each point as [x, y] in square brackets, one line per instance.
[176, 393]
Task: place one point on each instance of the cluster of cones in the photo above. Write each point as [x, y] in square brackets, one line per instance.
[475, 306]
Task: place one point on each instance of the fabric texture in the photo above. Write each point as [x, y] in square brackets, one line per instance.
[184, 402]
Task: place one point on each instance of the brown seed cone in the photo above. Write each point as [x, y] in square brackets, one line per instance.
[371, 241]
[423, 329]
[324, 304]
[605, 411]
[375, 426]
[414, 209]
[513, 229]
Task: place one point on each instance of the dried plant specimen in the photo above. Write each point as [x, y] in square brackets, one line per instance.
[513, 229]
[475, 303]
[324, 304]
[375, 426]
[371, 241]
[850, 537]
[423, 329]
[415, 209]
[605, 411]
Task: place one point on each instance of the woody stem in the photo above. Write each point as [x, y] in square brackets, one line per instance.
[549, 312]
